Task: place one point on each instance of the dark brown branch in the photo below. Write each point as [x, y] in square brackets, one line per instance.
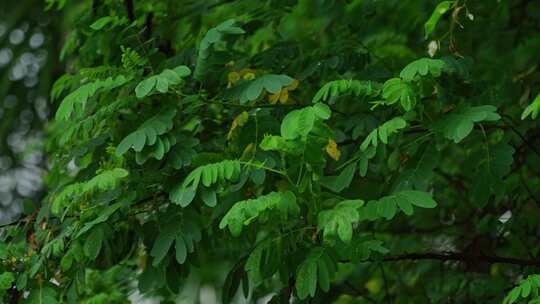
[521, 136]
[461, 257]
[129, 10]
[148, 25]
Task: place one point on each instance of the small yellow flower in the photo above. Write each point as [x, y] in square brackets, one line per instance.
[333, 150]
[293, 85]
[373, 286]
[283, 95]
[248, 151]
[249, 76]
[238, 121]
[233, 77]
[245, 71]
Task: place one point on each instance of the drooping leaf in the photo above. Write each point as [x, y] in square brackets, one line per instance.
[422, 67]
[439, 10]
[340, 182]
[318, 267]
[533, 109]
[387, 206]
[458, 124]
[147, 133]
[282, 205]
[382, 132]
[75, 102]
[162, 81]
[252, 90]
[397, 90]
[212, 37]
[338, 221]
[355, 87]
[184, 193]
[94, 242]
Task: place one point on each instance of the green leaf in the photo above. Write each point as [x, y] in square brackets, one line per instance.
[382, 132]
[182, 196]
[278, 143]
[104, 21]
[106, 180]
[212, 37]
[42, 294]
[354, 87]
[422, 67]
[298, 123]
[180, 250]
[526, 288]
[340, 182]
[322, 111]
[405, 206]
[93, 243]
[209, 197]
[103, 216]
[493, 166]
[279, 205]
[386, 207]
[319, 267]
[339, 220]
[439, 10]
[74, 103]
[418, 198]
[397, 90]
[162, 81]
[458, 124]
[306, 279]
[533, 109]
[252, 90]
[221, 172]
[6, 280]
[145, 87]
[147, 133]
[361, 249]
[161, 247]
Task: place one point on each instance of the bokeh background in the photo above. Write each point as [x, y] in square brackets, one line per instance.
[29, 44]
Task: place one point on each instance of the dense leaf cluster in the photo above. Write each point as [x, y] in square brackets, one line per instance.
[288, 150]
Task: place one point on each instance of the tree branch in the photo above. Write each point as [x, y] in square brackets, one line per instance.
[137, 203]
[129, 10]
[461, 257]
